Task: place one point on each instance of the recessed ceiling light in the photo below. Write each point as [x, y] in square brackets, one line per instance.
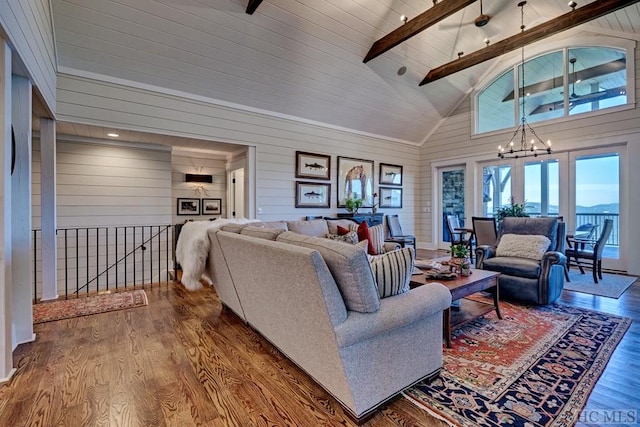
[113, 134]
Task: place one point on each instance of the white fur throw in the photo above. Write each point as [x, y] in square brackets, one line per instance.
[523, 246]
[192, 249]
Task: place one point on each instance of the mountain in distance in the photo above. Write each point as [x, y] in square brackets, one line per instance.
[604, 208]
[612, 208]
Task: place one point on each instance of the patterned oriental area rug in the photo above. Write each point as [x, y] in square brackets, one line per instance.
[536, 367]
[66, 309]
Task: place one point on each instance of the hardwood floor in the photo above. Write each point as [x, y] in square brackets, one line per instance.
[183, 361]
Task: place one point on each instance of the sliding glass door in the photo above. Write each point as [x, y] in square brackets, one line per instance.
[542, 187]
[596, 197]
[581, 186]
[496, 187]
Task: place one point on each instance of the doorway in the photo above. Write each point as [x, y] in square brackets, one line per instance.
[595, 197]
[236, 194]
[452, 200]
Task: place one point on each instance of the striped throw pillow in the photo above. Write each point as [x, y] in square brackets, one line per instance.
[392, 271]
[375, 236]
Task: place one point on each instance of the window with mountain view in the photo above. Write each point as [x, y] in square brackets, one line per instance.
[596, 78]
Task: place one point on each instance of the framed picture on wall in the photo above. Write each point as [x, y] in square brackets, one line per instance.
[188, 206]
[390, 197]
[313, 166]
[390, 174]
[211, 206]
[312, 194]
[355, 179]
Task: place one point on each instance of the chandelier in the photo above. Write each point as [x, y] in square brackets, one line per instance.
[526, 148]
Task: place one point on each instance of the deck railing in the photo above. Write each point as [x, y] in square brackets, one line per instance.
[598, 219]
[96, 259]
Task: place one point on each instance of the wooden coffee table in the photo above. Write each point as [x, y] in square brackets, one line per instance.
[461, 287]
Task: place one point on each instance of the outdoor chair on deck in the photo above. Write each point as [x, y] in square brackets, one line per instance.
[589, 251]
[396, 235]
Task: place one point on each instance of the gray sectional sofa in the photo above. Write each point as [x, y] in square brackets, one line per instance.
[316, 300]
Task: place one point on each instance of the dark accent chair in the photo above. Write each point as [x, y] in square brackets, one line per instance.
[524, 279]
[459, 235]
[485, 230]
[589, 251]
[395, 232]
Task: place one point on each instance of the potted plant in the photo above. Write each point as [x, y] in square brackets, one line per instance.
[352, 204]
[460, 260]
[514, 209]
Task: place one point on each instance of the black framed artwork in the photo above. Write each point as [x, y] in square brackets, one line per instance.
[187, 206]
[313, 166]
[355, 179]
[390, 174]
[390, 197]
[211, 206]
[313, 194]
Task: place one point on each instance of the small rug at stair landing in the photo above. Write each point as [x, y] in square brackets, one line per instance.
[66, 309]
[611, 285]
[536, 367]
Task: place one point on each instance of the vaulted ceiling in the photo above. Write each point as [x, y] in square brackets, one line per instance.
[300, 58]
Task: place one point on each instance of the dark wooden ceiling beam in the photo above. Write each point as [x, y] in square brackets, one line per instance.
[252, 6]
[586, 74]
[581, 99]
[564, 22]
[420, 23]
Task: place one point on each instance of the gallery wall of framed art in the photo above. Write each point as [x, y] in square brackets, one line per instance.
[312, 194]
[355, 179]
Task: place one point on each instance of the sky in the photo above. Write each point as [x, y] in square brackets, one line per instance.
[597, 181]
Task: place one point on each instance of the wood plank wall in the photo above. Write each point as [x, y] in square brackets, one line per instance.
[276, 139]
[30, 30]
[107, 185]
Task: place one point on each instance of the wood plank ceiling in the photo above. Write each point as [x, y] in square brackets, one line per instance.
[300, 58]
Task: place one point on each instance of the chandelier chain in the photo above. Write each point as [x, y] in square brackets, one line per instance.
[525, 149]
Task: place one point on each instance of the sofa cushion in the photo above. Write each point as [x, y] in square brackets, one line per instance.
[350, 237]
[392, 271]
[261, 232]
[282, 225]
[349, 267]
[236, 228]
[523, 245]
[333, 224]
[513, 266]
[316, 227]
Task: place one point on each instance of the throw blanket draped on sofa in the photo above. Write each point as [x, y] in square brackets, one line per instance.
[192, 249]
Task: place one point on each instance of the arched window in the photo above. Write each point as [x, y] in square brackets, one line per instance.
[557, 84]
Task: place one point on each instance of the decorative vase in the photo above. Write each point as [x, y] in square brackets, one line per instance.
[461, 265]
[374, 209]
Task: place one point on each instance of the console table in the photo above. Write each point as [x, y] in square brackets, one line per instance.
[371, 218]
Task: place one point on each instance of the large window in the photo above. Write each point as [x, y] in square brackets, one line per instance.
[557, 84]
